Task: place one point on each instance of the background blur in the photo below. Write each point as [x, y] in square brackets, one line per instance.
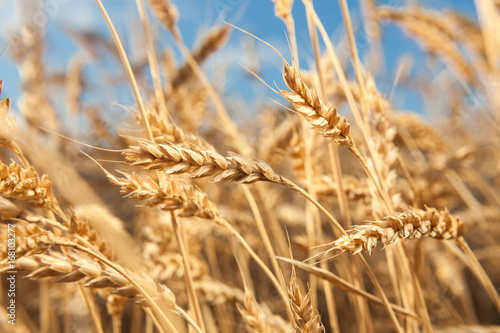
[60, 19]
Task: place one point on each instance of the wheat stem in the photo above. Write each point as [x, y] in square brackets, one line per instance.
[128, 68]
[255, 257]
[188, 275]
[152, 60]
[263, 233]
[479, 272]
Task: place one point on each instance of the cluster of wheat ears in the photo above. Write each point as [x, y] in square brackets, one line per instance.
[332, 211]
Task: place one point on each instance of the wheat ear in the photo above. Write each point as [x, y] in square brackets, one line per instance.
[408, 225]
[167, 14]
[25, 184]
[252, 315]
[190, 201]
[306, 318]
[325, 120]
[199, 163]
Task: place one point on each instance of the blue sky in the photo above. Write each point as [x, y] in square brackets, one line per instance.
[255, 16]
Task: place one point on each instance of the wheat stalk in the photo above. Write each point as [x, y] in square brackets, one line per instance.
[74, 267]
[167, 13]
[213, 41]
[199, 163]
[190, 202]
[179, 231]
[187, 199]
[325, 120]
[25, 184]
[252, 315]
[408, 225]
[437, 32]
[306, 318]
[31, 239]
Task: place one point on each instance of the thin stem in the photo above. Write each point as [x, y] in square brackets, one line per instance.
[193, 300]
[87, 296]
[350, 98]
[263, 233]
[93, 308]
[89, 301]
[370, 174]
[362, 310]
[480, 273]
[259, 261]
[16, 150]
[313, 222]
[416, 286]
[337, 225]
[128, 69]
[151, 321]
[287, 182]
[345, 285]
[354, 54]
[188, 318]
[117, 322]
[228, 124]
[290, 26]
[330, 300]
[462, 189]
[153, 60]
[359, 74]
[44, 307]
[337, 66]
[386, 303]
[279, 238]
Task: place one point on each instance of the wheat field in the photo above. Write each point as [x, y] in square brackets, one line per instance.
[331, 209]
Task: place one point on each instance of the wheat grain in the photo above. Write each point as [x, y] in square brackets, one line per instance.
[306, 318]
[450, 161]
[74, 268]
[199, 163]
[409, 225]
[30, 239]
[252, 315]
[25, 184]
[189, 200]
[325, 120]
